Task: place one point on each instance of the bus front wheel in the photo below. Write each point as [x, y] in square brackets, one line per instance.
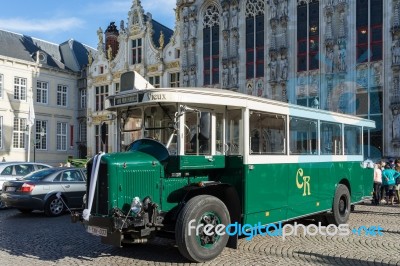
[195, 229]
[341, 206]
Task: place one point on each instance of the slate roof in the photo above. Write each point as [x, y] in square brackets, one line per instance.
[70, 55]
[157, 28]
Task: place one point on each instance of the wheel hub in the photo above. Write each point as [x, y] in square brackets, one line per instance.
[209, 239]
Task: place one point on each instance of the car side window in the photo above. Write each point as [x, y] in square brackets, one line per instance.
[7, 170]
[58, 178]
[24, 169]
[77, 176]
[41, 166]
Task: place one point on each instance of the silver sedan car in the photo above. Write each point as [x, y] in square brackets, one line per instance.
[51, 190]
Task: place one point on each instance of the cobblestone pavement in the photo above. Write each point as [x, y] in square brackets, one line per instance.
[34, 239]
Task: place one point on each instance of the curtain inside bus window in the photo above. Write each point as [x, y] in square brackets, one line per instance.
[233, 132]
[303, 136]
[267, 133]
[331, 138]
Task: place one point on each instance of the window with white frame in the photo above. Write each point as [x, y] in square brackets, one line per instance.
[136, 51]
[19, 88]
[116, 87]
[1, 86]
[41, 135]
[19, 133]
[62, 95]
[42, 89]
[61, 136]
[174, 80]
[83, 98]
[155, 81]
[82, 132]
[101, 94]
[1, 132]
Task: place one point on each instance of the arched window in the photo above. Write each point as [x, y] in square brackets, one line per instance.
[211, 46]
[307, 36]
[254, 39]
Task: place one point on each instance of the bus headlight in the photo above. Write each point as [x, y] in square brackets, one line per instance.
[136, 205]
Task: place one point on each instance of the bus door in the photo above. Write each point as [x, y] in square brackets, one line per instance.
[203, 146]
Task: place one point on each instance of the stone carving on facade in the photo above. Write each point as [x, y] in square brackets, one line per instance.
[329, 62]
[377, 70]
[193, 21]
[396, 127]
[234, 44]
[192, 78]
[341, 57]
[234, 74]
[185, 80]
[283, 67]
[90, 58]
[396, 52]
[122, 26]
[100, 35]
[273, 65]
[396, 14]
[273, 10]
[109, 53]
[225, 46]
[234, 17]
[225, 76]
[225, 18]
[283, 8]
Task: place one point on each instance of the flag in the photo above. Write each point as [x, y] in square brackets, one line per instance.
[31, 117]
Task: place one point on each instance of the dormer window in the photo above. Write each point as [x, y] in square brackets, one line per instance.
[42, 57]
[101, 69]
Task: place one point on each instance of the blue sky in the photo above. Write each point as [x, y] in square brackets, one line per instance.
[59, 21]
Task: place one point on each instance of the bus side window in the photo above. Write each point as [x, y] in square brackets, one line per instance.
[331, 138]
[268, 133]
[303, 136]
[232, 133]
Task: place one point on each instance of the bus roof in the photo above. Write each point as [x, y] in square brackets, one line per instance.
[212, 96]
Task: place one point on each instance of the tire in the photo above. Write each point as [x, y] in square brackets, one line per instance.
[204, 209]
[25, 210]
[54, 207]
[2, 205]
[341, 206]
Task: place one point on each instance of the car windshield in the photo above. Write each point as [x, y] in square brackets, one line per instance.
[39, 175]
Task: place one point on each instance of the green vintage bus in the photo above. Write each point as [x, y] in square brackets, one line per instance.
[221, 157]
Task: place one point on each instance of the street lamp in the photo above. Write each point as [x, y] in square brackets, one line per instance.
[39, 140]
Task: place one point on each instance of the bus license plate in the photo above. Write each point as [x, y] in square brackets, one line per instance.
[97, 231]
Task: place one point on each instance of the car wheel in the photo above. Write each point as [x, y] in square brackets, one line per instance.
[2, 205]
[54, 206]
[205, 210]
[25, 210]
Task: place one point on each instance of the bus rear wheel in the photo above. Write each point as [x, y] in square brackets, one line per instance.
[341, 206]
[199, 212]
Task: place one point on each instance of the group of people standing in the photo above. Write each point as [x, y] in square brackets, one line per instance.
[387, 182]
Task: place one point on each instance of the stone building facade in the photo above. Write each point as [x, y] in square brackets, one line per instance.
[49, 76]
[337, 55]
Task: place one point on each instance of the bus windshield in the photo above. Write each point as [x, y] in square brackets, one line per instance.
[153, 122]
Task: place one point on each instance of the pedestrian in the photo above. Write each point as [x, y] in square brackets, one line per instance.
[397, 181]
[377, 183]
[4, 160]
[388, 180]
[383, 195]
